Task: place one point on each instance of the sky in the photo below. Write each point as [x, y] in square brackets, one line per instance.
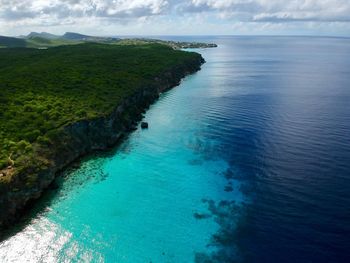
[170, 17]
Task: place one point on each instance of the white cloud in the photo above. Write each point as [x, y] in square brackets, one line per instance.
[216, 15]
[276, 10]
[23, 9]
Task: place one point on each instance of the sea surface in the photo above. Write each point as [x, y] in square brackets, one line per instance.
[247, 160]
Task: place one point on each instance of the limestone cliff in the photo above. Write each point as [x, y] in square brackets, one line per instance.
[82, 137]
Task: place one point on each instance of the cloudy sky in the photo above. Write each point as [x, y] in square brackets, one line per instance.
[181, 17]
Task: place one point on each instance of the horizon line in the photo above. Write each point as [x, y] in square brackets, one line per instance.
[190, 35]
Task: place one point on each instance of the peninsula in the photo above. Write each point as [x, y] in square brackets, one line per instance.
[61, 103]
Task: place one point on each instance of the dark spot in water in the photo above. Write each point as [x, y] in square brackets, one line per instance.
[223, 243]
[229, 174]
[228, 188]
[201, 216]
[204, 147]
[195, 162]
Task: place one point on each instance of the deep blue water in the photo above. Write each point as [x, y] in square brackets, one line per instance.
[246, 161]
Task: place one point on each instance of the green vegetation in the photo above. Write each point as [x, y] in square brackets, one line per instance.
[43, 35]
[44, 90]
[41, 42]
[12, 42]
[35, 42]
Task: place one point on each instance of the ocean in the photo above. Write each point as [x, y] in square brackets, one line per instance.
[248, 160]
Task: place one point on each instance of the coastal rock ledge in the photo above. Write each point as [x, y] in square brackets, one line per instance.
[81, 138]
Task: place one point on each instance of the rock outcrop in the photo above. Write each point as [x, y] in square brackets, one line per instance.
[144, 125]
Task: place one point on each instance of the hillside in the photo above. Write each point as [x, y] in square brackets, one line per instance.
[42, 42]
[12, 42]
[47, 40]
[74, 36]
[43, 35]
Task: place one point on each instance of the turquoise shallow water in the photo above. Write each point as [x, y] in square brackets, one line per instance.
[148, 200]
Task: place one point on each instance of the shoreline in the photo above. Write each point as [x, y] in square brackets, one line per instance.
[78, 139]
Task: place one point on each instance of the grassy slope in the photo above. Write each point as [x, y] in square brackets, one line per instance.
[38, 40]
[35, 42]
[42, 90]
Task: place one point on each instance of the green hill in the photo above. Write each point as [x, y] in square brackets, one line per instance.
[40, 42]
[12, 42]
[43, 35]
[74, 36]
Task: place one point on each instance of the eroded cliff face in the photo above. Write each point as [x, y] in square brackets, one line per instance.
[83, 137]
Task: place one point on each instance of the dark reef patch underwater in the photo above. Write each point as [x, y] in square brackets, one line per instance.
[248, 160]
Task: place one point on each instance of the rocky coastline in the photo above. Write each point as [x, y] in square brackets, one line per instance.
[81, 138]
